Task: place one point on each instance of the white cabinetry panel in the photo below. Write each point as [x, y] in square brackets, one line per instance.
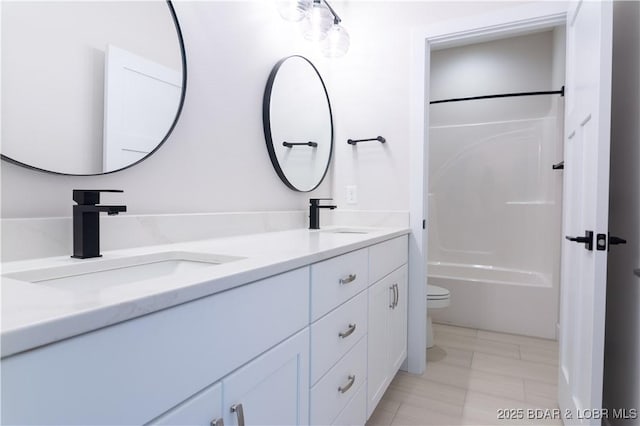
[272, 389]
[134, 371]
[336, 280]
[387, 333]
[332, 393]
[327, 345]
[387, 256]
[202, 409]
[355, 413]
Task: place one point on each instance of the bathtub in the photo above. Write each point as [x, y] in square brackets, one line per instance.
[497, 299]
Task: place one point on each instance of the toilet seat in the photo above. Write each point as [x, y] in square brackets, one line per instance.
[437, 293]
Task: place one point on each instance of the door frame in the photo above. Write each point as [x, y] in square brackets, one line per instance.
[502, 23]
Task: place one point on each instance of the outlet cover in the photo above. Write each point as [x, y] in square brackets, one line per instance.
[352, 194]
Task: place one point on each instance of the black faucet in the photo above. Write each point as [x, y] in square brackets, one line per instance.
[86, 221]
[314, 211]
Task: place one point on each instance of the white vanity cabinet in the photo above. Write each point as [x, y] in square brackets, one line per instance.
[134, 371]
[205, 408]
[338, 335]
[315, 345]
[387, 334]
[270, 390]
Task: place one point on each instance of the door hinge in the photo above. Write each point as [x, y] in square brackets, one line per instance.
[424, 224]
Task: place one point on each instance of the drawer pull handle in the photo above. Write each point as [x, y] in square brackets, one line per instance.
[352, 379]
[397, 293]
[217, 422]
[237, 408]
[349, 279]
[393, 295]
[349, 332]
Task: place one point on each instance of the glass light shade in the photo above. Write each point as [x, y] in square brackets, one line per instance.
[317, 23]
[337, 42]
[294, 10]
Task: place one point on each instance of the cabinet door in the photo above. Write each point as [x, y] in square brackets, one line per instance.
[398, 322]
[273, 389]
[203, 409]
[381, 297]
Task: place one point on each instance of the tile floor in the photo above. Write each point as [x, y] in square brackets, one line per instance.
[471, 375]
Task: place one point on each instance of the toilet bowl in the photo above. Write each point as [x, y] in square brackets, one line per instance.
[437, 297]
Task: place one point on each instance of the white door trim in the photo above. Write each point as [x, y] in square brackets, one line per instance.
[494, 25]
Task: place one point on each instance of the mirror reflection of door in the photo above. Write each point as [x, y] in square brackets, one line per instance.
[139, 106]
[53, 74]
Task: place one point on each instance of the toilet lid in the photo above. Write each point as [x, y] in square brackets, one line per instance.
[435, 292]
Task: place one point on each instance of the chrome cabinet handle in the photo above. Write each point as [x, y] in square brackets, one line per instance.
[397, 296]
[237, 408]
[348, 332]
[393, 301]
[217, 422]
[350, 382]
[349, 279]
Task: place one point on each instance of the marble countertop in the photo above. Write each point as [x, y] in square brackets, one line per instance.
[34, 315]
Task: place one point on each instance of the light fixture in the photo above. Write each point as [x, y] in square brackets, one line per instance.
[337, 42]
[294, 10]
[321, 23]
[318, 21]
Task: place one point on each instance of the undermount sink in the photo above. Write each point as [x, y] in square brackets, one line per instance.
[346, 231]
[100, 274]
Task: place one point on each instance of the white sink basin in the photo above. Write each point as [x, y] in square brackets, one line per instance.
[99, 274]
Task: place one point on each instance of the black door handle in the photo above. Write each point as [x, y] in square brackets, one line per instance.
[587, 240]
[616, 240]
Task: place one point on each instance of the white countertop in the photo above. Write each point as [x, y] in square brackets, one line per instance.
[34, 315]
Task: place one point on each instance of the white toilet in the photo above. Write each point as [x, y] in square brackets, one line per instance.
[437, 297]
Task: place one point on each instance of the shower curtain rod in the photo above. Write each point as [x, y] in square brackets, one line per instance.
[503, 95]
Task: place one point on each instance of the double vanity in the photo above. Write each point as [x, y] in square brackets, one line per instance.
[292, 327]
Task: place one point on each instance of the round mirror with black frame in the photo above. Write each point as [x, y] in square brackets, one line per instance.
[89, 88]
[298, 124]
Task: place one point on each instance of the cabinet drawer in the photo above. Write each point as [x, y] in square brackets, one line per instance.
[336, 280]
[131, 372]
[355, 413]
[327, 343]
[387, 256]
[327, 399]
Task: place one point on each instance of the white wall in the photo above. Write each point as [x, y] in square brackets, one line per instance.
[622, 347]
[216, 159]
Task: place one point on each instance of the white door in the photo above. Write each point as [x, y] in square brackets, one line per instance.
[141, 100]
[272, 389]
[585, 208]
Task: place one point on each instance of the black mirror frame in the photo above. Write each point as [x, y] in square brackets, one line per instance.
[173, 125]
[266, 123]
